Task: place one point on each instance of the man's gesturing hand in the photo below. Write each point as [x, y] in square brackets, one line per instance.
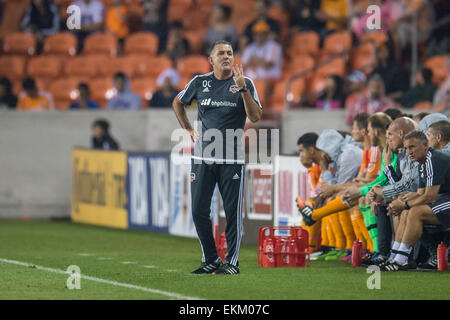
[193, 133]
[238, 76]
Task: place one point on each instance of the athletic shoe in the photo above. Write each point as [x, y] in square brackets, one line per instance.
[394, 266]
[227, 268]
[347, 258]
[378, 259]
[365, 261]
[207, 268]
[329, 253]
[429, 265]
[337, 256]
[306, 211]
[315, 254]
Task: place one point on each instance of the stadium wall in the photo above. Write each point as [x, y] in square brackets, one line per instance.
[36, 149]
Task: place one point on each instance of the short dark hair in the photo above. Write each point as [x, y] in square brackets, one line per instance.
[308, 139]
[102, 123]
[416, 134]
[83, 85]
[177, 24]
[361, 120]
[120, 74]
[219, 42]
[442, 127]
[421, 115]
[394, 113]
[380, 121]
[226, 11]
[28, 84]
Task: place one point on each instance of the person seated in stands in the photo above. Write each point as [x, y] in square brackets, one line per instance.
[177, 46]
[84, 101]
[372, 101]
[32, 98]
[7, 99]
[263, 58]
[154, 19]
[124, 98]
[333, 13]
[41, 19]
[261, 9]
[423, 90]
[394, 76]
[116, 21]
[101, 138]
[304, 16]
[92, 19]
[332, 96]
[167, 82]
[220, 28]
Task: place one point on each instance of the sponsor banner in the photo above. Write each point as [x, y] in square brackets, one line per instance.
[148, 191]
[99, 188]
[258, 191]
[291, 179]
[180, 221]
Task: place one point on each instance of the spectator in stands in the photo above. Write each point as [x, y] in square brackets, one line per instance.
[92, 19]
[439, 136]
[423, 90]
[84, 102]
[124, 99]
[116, 21]
[7, 99]
[334, 14]
[155, 19]
[220, 28]
[262, 59]
[41, 19]
[394, 77]
[177, 46]
[304, 16]
[34, 99]
[167, 81]
[373, 101]
[332, 96]
[101, 138]
[261, 8]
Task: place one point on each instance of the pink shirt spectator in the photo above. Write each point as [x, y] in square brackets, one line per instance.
[362, 103]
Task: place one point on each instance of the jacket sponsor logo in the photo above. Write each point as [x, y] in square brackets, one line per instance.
[209, 102]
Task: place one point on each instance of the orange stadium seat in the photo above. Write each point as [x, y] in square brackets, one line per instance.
[62, 5]
[113, 65]
[438, 64]
[304, 43]
[261, 90]
[82, 66]
[377, 37]
[12, 67]
[335, 66]
[317, 84]
[183, 82]
[296, 90]
[299, 64]
[102, 89]
[150, 66]
[44, 67]
[337, 42]
[100, 43]
[176, 9]
[144, 87]
[20, 43]
[64, 91]
[193, 64]
[196, 40]
[61, 43]
[363, 58]
[145, 42]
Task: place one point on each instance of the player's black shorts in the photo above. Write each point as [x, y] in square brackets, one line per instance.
[441, 208]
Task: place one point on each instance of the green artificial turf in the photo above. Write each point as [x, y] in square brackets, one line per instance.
[163, 262]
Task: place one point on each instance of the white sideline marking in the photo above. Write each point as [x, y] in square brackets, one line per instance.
[129, 262]
[85, 254]
[104, 258]
[149, 267]
[113, 283]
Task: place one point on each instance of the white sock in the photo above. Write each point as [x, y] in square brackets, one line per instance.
[395, 247]
[403, 258]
